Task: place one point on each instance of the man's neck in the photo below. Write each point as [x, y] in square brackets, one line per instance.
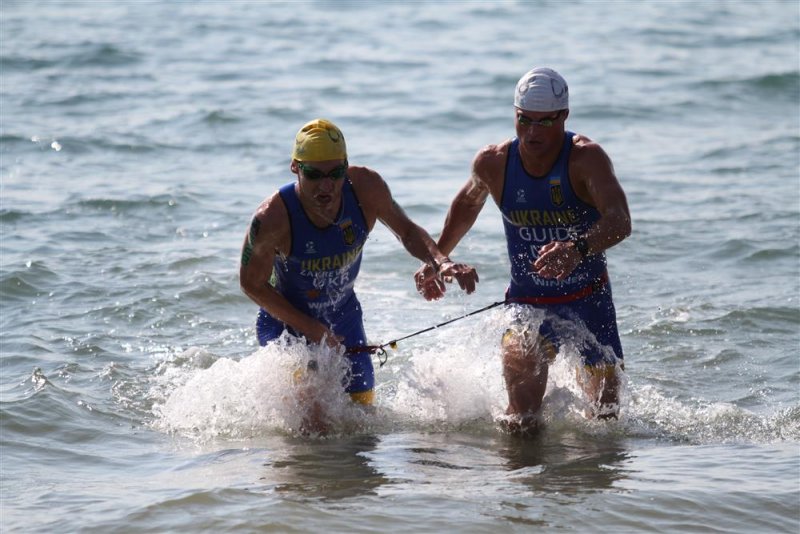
[538, 163]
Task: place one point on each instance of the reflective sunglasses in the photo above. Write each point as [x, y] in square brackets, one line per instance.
[312, 173]
[547, 122]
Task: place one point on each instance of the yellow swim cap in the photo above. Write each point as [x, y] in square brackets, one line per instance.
[319, 140]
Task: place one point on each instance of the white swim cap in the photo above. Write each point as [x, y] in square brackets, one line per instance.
[541, 89]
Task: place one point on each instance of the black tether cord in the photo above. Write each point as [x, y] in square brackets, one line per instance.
[380, 350]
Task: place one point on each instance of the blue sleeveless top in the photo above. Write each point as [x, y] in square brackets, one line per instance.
[539, 210]
[318, 275]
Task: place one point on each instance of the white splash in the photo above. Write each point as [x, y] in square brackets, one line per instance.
[266, 391]
[454, 382]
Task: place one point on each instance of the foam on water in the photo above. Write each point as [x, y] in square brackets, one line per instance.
[434, 387]
[454, 383]
[266, 391]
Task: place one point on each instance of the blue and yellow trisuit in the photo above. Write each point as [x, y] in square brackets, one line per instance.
[318, 276]
[538, 210]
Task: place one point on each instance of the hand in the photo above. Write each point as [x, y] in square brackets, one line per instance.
[333, 341]
[324, 335]
[432, 284]
[429, 284]
[557, 259]
[465, 275]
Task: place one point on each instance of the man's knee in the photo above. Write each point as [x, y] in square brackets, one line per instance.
[525, 355]
[524, 345]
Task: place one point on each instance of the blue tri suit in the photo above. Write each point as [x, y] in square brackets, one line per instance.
[538, 210]
[318, 276]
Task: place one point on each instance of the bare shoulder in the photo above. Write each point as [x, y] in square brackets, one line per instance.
[587, 154]
[371, 190]
[271, 208]
[368, 184]
[592, 174]
[271, 221]
[488, 167]
[490, 157]
[362, 177]
[581, 140]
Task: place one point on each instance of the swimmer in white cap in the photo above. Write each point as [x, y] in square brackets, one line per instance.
[562, 208]
[542, 89]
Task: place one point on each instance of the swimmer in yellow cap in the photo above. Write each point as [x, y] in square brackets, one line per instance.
[302, 254]
[319, 140]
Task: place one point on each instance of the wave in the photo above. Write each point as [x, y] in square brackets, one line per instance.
[27, 283]
[778, 82]
[13, 62]
[7, 139]
[77, 56]
[449, 386]
[717, 320]
[132, 144]
[769, 255]
[129, 204]
[749, 250]
[219, 116]
[11, 216]
[88, 144]
[101, 55]
[704, 422]
[781, 86]
[49, 411]
[765, 320]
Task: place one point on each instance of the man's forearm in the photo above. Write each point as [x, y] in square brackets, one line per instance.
[607, 232]
[458, 222]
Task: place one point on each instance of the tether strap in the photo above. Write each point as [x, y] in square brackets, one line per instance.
[380, 349]
[596, 286]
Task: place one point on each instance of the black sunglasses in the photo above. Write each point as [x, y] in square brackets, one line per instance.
[313, 173]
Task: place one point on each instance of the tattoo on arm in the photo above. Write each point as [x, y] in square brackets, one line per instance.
[247, 251]
[255, 226]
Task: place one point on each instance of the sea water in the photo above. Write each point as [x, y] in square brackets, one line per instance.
[137, 139]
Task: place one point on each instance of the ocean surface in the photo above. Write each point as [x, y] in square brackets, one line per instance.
[137, 139]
